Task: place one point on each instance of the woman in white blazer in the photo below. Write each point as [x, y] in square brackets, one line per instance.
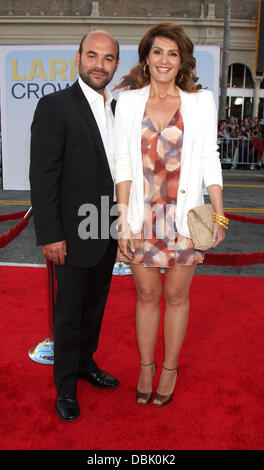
[165, 147]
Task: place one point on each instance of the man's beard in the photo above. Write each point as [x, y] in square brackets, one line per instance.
[85, 76]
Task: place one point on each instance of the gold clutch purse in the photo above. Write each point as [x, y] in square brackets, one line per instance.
[200, 221]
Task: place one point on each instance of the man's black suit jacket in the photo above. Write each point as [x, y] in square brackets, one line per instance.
[68, 168]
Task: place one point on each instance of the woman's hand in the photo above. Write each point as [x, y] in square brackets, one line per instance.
[126, 243]
[218, 235]
[216, 196]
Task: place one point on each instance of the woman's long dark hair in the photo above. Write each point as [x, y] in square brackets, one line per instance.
[139, 76]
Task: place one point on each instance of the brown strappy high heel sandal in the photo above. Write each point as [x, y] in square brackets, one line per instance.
[145, 396]
[164, 399]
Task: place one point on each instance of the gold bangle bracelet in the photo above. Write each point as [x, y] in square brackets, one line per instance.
[221, 224]
[221, 221]
[221, 217]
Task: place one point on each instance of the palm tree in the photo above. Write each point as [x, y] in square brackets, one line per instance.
[225, 60]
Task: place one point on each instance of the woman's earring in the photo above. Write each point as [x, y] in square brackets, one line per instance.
[145, 72]
[180, 79]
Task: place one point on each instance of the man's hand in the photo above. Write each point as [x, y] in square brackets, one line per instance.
[55, 252]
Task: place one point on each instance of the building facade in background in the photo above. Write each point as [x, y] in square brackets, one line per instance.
[65, 22]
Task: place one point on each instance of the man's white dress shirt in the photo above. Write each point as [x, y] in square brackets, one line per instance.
[104, 117]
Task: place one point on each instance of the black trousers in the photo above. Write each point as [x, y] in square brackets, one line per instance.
[80, 303]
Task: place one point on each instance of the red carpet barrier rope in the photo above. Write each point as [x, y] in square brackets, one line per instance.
[9, 236]
[230, 259]
[247, 220]
[16, 215]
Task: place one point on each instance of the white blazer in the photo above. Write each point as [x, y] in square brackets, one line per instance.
[199, 159]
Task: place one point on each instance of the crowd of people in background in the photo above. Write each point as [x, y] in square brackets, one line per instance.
[249, 128]
[241, 143]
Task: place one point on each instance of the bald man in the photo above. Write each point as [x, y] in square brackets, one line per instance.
[72, 193]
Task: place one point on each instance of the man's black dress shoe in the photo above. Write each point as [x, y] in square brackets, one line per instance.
[100, 379]
[67, 407]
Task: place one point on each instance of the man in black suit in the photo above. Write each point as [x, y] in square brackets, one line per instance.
[71, 172]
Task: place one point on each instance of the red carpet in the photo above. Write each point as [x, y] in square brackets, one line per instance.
[218, 401]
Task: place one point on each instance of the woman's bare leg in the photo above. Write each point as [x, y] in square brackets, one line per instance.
[149, 289]
[176, 291]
